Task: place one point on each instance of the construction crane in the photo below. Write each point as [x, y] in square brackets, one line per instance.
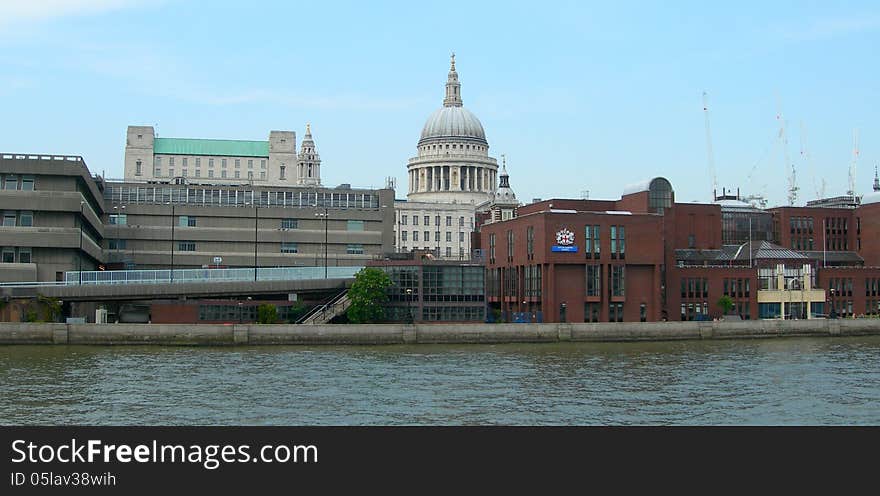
[709, 153]
[852, 166]
[805, 160]
[783, 140]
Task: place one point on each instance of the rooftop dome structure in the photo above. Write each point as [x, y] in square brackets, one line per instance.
[453, 163]
[453, 122]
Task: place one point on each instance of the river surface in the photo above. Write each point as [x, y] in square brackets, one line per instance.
[795, 381]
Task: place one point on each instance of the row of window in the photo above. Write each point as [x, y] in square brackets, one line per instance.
[694, 287]
[434, 250]
[22, 218]
[157, 172]
[840, 286]
[615, 312]
[463, 147]
[286, 247]
[237, 197]
[427, 220]
[198, 162]
[404, 236]
[9, 255]
[22, 183]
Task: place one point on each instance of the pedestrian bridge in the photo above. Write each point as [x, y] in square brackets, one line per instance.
[201, 283]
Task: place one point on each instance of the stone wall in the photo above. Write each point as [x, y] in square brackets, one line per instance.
[350, 334]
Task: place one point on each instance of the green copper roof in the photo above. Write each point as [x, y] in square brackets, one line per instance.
[226, 148]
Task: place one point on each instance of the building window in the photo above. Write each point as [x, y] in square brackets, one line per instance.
[11, 183]
[24, 255]
[618, 242]
[210, 163]
[263, 164]
[223, 174]
[186, 246]
[491, 248]
[289, 248]
[118, 219]
[594, 280]
[530, 242]
[138, 168]
[223, 163]
[26, 219]
[237, 175]
[355, 249]
[448, 251]
[415, 220]
[237, 163]
[8, 255]
[448, 220]
[437, 220]
[198, 173]
[427, 236]
[288, 224]
[510, 242]
[184, 173]
[250, 164]
[282, 169]
[415, 235]
[170, 161]
[449, 236]
[116, 244]
[591, 312]
[615, 312]
[427, 220]
[263, 176]
[187, 221]
[210, 172]
[355, 225]
[185, 161]
[403, 219]
[618, 280]
[157, 172]
[437, 236]
[250, 174]
[9, 218]
[461, 221]
[403, 235]
[591, 241]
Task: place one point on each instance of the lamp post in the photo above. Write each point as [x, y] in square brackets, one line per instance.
[833, 313]
[256, 221]
[117, 208]
[173, 221]
[82, 204]
[239, 312]
[324, 215]
[409, 304]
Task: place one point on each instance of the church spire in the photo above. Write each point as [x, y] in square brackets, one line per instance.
[453, 87]
[876, 180]
[504, 179]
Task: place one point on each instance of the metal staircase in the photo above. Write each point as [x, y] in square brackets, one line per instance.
[323, 314]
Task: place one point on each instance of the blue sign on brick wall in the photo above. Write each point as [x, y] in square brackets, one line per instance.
[571, 248]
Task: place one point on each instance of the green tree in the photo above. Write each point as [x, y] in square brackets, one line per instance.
[51, 307]
[368, 294]
[267, 314]
[726, 304]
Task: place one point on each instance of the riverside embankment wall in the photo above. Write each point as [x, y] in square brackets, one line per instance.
[252, 334]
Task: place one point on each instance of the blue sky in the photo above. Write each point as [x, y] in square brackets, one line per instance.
[580, 96]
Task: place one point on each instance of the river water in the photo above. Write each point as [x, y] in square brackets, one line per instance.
[831, 381]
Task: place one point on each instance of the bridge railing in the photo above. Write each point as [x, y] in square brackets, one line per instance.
[165, 276]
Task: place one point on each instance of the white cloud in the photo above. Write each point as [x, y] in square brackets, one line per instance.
[22, 11]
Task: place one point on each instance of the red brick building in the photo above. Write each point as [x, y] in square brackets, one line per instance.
[646, 258]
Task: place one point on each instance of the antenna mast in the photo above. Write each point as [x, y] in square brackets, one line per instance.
[710, 155]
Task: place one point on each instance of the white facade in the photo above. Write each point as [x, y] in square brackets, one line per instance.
[444, 228]
[274, 162]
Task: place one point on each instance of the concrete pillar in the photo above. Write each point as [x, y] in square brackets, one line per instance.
[240, 334]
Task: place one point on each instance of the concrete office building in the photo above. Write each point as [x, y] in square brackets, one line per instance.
[53, 212]
[275, 162]
[135, 225]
